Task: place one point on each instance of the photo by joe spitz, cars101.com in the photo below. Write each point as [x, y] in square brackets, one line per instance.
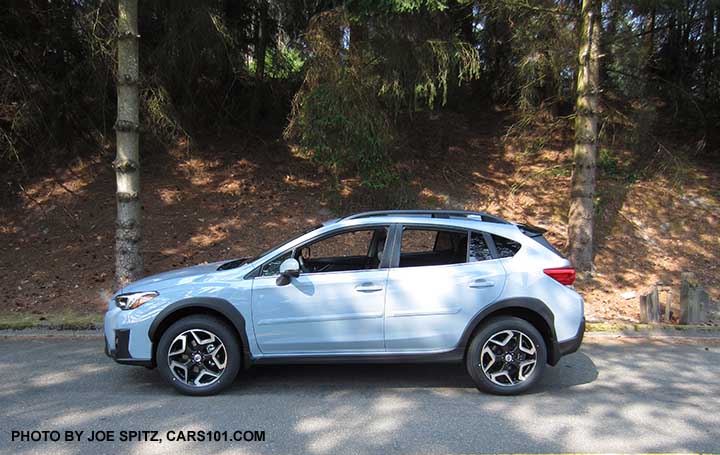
[374, 287]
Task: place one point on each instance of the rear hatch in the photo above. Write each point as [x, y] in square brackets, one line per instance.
[563, 275]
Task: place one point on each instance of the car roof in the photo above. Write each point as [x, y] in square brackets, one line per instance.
[444, 214]
[458, 218]
[449, 218]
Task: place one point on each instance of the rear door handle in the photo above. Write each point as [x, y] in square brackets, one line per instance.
[368, 287]
[481, 283]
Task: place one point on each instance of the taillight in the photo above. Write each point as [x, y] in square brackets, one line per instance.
[563, 275]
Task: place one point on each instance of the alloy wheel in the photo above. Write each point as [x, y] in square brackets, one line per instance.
[197, 357]
[508, 358]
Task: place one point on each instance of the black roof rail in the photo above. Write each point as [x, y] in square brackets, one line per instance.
[431, 213]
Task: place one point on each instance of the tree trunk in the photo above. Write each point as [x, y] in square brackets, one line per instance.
[261, 35]
[708, 42]
[615, 16]
[128, 259]
[587, 107]
[650, 40]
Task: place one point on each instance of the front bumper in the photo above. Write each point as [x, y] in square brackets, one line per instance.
[121, 353]
[126, 339]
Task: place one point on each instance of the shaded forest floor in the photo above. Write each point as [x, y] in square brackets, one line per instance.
[234, 194]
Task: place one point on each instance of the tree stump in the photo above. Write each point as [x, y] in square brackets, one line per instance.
[650, 310]
[666, 300]
[694, 300]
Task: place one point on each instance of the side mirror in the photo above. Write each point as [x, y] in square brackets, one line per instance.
[288, 269]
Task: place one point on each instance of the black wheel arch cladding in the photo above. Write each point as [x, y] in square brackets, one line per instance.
[534, 311]
[200, 305]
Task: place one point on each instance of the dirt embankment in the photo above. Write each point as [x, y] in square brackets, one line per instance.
[229, 197]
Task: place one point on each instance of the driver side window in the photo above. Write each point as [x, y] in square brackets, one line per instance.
[272, 268]
[351, 250]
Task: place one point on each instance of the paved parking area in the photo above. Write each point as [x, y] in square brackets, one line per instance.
[615, 395]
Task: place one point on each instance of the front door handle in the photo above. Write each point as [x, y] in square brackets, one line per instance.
[481, 283]
[368, 287]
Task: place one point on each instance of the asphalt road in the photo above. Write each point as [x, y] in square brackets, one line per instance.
[615, 395]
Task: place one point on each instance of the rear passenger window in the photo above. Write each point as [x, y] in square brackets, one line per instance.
[424, 247]
[479, 250]
[418, 241]
[506, 248]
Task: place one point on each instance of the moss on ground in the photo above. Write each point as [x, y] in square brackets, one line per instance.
[59, 321]
[634, 327]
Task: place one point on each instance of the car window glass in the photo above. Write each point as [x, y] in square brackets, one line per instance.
[443, 241]
[425, 247]
[506, 248]
[418, 241]
[479, 250]
[347, 251]
[347, 244]
[273, 267]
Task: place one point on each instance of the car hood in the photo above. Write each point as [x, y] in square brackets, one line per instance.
[172, 278]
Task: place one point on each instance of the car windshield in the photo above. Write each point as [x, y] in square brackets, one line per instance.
[238, 262]
[297, 236]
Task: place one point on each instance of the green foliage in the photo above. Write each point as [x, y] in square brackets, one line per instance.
[529, 52]
[364, 71]
[352, 78]
[395, 6]
[616, 168]
[340, 128]
[53, 81]
[608, 163]
[58, 72]
[336, 117]
[283, 63]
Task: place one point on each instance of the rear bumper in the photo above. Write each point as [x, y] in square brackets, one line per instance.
[121, 352]
[568, 346]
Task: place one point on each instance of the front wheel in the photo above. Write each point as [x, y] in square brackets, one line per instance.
[199, 355]
[507, 356]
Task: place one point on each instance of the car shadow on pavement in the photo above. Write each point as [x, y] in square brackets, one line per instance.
[571, 371]
[611, 396]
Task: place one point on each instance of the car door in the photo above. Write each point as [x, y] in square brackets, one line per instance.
[435, 288]
[335, 305]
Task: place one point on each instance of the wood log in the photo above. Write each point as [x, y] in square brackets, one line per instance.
[650, 311]
[694, 300]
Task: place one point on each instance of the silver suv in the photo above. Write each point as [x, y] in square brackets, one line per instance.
[390, 286]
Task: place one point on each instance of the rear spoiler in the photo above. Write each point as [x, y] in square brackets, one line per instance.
[536, 233]
[530, 230]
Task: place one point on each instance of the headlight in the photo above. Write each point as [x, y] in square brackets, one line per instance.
[134, 300]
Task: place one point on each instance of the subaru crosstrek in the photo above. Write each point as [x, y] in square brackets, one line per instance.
[390, 286]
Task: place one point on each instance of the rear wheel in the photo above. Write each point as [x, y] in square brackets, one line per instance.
[199, 355]
[506, 356]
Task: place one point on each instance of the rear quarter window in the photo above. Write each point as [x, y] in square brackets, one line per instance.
[506, 248]
[479, 250]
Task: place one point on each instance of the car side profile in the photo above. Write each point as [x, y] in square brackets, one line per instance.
[389, 286]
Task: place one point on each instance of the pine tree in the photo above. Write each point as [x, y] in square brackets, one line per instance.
[128, 234]
[587, 106]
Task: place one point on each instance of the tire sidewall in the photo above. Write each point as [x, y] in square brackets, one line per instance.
[489, 329]
[222, 331]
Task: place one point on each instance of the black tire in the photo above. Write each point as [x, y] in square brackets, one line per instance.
[214, 326]
[491, 329]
